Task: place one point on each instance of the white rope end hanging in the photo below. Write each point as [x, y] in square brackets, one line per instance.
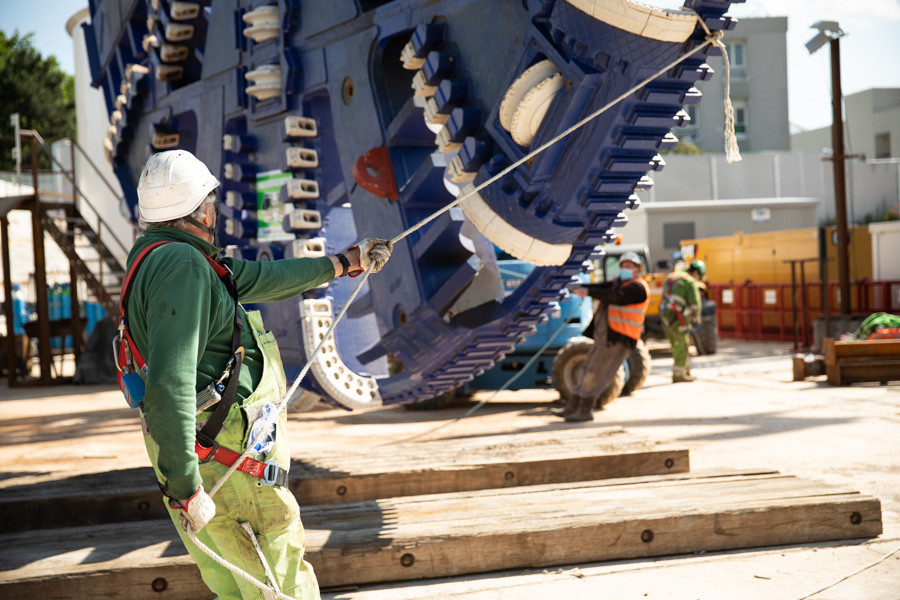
[732, 152]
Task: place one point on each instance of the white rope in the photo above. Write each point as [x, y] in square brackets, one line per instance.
[856, 572]
[235, 569]
[271, 576]
[732, 152]
[559, 137]
[711, 39]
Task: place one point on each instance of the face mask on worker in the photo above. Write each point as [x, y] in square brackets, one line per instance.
[626, 274]
[213, 229]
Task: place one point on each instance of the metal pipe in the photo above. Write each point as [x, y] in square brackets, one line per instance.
[794, 303]
[823, 278]
[804, 305]
[12, 376]
[40, 271]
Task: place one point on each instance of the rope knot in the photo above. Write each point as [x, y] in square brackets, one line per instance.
[715, 37]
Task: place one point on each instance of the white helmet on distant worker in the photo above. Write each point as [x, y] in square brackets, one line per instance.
[633, 257]
[172, 185]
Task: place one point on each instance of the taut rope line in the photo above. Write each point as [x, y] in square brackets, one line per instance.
[711, 39]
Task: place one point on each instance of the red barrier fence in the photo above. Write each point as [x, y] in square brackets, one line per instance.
[780, 312]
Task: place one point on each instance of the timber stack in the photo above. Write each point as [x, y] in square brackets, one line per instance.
[454, 507]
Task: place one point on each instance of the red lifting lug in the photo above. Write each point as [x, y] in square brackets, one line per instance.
[373, 173]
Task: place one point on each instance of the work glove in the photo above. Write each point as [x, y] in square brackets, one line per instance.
[373, 253]
[196, 511]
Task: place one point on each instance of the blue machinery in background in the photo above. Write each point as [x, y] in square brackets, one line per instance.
[331, 121]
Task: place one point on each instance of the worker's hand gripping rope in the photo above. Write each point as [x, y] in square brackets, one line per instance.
[373, 253]
[196, 512]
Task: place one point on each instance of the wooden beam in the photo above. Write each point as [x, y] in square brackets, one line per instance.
[354, 475]
[469, 532]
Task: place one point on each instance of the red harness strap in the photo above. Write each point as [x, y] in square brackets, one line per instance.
[123, 301]
[268, 472]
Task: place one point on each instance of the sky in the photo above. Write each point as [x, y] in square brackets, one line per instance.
[869, 53]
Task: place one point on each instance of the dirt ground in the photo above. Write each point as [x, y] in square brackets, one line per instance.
[743, 412]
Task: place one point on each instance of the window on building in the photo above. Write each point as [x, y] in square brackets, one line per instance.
[673, 233]
[741, 129]
[883, 145]
[736, 58]
[689, 130]
[691, 110]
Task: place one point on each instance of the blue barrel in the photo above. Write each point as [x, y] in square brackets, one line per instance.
[20, 309]
[93, 312]
[53, 308]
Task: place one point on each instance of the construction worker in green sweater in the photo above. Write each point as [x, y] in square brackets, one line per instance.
[679, 310]
[204, 372]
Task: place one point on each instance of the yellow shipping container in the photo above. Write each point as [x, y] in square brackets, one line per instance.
[765, 257]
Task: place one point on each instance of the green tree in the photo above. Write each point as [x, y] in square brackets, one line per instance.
[37, 89]
[685, 147]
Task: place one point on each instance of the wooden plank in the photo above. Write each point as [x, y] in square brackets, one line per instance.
[469, 532]
[862, 361]
[362, 474]
[861, 349]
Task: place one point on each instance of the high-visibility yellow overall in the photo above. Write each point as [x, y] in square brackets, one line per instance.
[272, 511]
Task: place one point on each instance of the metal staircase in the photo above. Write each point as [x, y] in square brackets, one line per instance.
[94, 253]
[89, 255]
[86, 239]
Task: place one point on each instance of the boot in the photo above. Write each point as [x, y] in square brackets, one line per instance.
[568, 409]
[583, 412]
[683, 378]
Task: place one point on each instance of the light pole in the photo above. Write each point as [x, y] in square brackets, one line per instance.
[830, 32]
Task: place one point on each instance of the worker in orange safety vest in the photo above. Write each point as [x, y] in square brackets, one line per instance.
[616, 327]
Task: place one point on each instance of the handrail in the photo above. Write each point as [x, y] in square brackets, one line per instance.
[37, 136]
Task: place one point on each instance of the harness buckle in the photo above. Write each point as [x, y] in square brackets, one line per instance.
[270, 473]
[205, 451]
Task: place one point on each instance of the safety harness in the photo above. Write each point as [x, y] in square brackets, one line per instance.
[673, 302]
[132, 369]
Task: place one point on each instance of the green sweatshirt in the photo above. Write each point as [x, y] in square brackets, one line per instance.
[180, 316]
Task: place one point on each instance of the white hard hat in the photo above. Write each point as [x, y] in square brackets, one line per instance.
[633, 257]
[172, 185]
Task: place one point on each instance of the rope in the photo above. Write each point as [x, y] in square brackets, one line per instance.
[262, 558]
[559, 137]
[714, 39]
[237, 570]
[732, 152]
[502, 388]
[856, 572]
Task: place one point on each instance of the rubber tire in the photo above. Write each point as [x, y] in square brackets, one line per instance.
[567, 368]
[613, 390]
[638, 367]
[567, 365]
[706, 337]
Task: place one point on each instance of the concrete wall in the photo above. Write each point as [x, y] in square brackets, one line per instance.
[92, 121]
[655, 224]
[885, 250]
[867, 115]
[761, 87]
[873, 187]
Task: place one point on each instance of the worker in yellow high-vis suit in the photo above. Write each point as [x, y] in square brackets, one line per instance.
[680, 311]
[187, 332]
